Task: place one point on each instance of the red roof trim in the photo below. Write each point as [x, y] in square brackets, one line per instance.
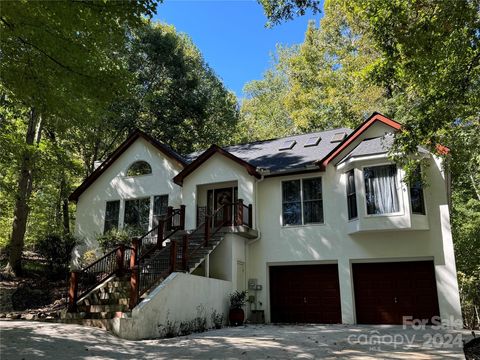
[355, 134]
[116, 154]
[214, 149]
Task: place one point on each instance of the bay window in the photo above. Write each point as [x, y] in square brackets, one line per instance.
[381, 194]
[302, 201]
[416, 193]
[351, 196]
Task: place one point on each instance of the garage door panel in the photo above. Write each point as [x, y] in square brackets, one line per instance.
[305, 293]
[385, 292]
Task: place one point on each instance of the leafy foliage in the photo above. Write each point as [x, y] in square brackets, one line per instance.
[57, 250]
[113, 238]
[238, 299]
[278, 10]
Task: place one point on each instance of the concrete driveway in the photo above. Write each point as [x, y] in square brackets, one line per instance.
[37, 340]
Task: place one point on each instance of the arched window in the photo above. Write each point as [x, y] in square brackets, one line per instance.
[139, 168]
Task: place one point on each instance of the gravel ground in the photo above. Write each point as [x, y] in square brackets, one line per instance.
[38, 340]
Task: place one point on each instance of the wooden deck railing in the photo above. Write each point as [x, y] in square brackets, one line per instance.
[123, 258]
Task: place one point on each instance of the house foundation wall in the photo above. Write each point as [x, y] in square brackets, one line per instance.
[180, 298]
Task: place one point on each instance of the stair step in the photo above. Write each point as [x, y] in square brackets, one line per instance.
[119, 301]
[101, 308]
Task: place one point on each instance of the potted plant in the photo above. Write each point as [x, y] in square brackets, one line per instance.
[238, 299]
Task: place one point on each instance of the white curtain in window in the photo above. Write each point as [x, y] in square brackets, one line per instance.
[383, 189]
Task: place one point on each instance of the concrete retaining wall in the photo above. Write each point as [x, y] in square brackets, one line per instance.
[181, 297]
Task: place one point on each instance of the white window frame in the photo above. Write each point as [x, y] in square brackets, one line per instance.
[124, 175]
[301, 202]
[401, 209]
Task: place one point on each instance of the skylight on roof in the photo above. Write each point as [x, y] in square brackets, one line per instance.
[337, 137]
[287, 145]
[312, 141]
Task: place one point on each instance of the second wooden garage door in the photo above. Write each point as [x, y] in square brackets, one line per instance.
[305, 294]
[386, 292]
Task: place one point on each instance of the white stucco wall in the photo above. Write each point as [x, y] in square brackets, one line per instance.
[113, 184]
[401, 237]
[181, 297]
[330, 242]
[217, 169]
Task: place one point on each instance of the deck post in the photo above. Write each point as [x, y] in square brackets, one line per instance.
[133, 254]
[160, 233]
[170, 218]
[239, 219]
[182, 217]
[73, 291]
[134, 287]
[120, 254]
[250, 216]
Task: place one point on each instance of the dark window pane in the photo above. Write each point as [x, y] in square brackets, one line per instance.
[139, 168]
[381, 194]
[291, 190]
[160, 205]
[112, 212]
[416, 193]
[351, 195]
[292, 214]
[137, 213]
[312, 212]
[312, 189]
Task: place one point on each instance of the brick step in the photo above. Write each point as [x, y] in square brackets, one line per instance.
[101, 308]
[97, 315]
[109, 290]
[119, 301]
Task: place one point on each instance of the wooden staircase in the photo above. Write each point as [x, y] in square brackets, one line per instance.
[113, 285]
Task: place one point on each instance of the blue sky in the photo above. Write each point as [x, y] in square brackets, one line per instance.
[231, 35]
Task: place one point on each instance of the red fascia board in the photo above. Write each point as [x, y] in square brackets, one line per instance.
[214, 149]
[116, 154]
[355, 134]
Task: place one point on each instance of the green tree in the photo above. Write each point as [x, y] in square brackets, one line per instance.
[60, 63]
[177, 97]
[279, 10]
[263, 111]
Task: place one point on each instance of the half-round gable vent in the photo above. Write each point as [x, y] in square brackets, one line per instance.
[139, 168]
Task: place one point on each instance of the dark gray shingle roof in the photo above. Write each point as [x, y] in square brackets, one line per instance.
[373, 146]
[266, 154]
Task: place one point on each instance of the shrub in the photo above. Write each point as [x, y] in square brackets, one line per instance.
[57, 250]
[469, 286]
[217, 319]
[113, 238]
[238, 299]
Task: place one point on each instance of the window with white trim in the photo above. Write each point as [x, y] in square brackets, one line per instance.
[112, 212]
[139, 168]
[417, 200]
[351, 195]
[302, 201]
[381, 193]
[137, 215]
[160, 205]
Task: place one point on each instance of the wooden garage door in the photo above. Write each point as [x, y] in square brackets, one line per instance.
[385, 292]
[305, 294]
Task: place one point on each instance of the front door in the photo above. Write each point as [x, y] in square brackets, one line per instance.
[223, 197]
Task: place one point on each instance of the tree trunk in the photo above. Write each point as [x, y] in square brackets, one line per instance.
[24, 191]
[64, 200]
